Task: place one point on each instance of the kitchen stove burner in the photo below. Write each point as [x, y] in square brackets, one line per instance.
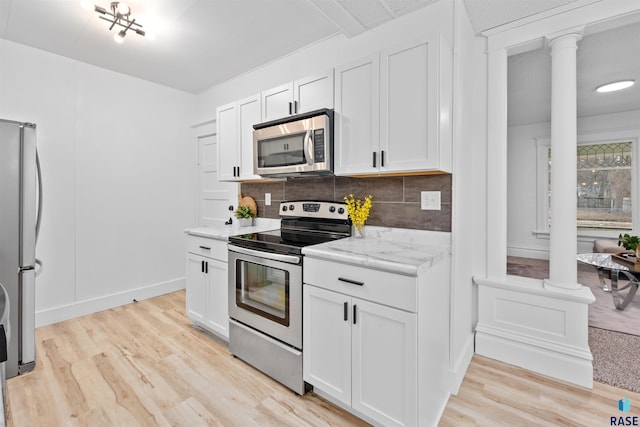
[303, 223]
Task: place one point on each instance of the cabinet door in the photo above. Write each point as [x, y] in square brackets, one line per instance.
[227, 124]
[248, 115]
[327, 342]
[409, 107]
[277, 102]
[357, 110]
[196, 288]
[313, 93]
[384, 363]
[218, 303]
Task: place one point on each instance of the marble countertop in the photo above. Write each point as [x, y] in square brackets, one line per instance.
[223, 232]
[395, 250]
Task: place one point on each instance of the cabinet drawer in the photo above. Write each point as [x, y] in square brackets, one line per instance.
[390, 289]
[212, 248]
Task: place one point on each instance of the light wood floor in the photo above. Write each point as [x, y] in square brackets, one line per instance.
[144, 364]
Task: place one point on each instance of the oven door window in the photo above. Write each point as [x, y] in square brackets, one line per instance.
[282, 151]
[263, 290]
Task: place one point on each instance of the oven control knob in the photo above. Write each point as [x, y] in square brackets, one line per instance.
[291, 207]
[340, 211]
[284, 208]
[332, 209]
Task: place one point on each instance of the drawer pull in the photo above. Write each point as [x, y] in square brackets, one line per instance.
[352, 282]
[205, 248]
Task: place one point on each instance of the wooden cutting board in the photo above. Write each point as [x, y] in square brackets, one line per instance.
[248, 201]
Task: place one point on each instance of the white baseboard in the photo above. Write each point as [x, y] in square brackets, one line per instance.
[82, 308]
[528, 252]
[458, 371]
[538, 356]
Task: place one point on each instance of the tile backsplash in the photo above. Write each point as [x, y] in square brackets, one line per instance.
[396, 199]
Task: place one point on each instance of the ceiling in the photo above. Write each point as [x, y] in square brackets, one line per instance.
[200, 43]
[602, 57]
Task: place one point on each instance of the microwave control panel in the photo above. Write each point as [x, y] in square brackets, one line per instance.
[318, 146]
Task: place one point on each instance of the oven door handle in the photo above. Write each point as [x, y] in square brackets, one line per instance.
[290, 259]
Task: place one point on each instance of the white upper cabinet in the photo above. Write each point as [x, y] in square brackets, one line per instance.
[235, 139]
[356, 130]
[300, 96]
[248, 115]
[277, 102]
[227, 132]
[393, 110]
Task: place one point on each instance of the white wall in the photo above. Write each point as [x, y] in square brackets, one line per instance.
[468, 193]
[521, 196]
[117, 156]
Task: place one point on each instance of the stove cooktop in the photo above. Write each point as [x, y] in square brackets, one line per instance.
[303, 223]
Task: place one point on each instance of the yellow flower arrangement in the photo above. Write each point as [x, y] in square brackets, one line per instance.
[358, 211]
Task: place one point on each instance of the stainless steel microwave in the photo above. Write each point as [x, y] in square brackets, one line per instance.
[294, 146]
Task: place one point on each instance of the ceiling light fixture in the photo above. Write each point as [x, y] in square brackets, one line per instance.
[119, 14]
[612, 87]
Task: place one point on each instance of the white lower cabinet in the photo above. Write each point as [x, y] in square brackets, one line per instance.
[362, 354]
[207, 284]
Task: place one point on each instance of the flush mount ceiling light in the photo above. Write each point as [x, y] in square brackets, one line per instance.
[614, 86]
[120, 15]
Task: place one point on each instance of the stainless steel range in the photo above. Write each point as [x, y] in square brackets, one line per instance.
[265, 287]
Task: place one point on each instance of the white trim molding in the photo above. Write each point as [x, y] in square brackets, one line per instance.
[541, 329]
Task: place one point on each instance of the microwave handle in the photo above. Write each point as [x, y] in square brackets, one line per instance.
[308, 146]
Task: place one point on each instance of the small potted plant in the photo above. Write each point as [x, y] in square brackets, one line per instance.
[630, 243]
[245, 216]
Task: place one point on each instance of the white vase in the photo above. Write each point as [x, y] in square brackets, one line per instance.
[245, 222]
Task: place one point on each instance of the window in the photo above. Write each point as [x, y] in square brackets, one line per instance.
[604, 185]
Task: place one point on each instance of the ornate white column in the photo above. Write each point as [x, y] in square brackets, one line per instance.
[563, 238]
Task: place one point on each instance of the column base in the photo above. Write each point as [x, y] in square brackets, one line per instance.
[547, 283]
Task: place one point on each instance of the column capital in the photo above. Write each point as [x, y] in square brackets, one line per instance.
[576, 33]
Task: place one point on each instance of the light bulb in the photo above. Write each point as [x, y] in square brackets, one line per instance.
[123, 9]
[612, 87]
[150, 35]
[119, 37]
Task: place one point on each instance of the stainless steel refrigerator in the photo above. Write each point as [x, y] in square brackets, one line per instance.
[20, 213]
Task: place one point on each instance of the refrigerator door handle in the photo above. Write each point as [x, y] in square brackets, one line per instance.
[39, 215]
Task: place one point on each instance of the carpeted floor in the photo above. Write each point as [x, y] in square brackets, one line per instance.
[615, 358]
[614, 335]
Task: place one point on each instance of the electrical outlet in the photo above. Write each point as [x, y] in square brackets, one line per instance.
[267, 199]
[430, 200]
